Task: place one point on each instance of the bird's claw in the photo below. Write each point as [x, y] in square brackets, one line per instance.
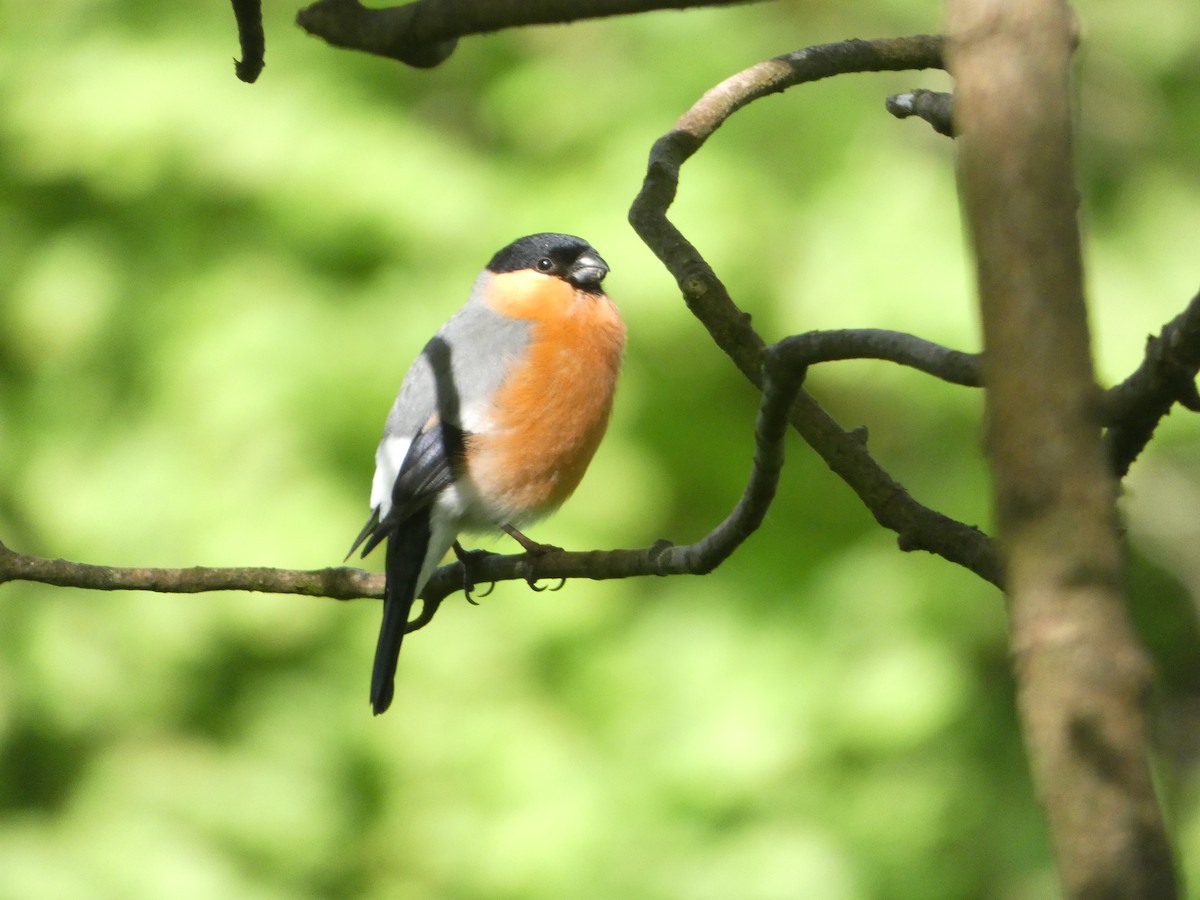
[534, 549]
[533, 585]
[470, 559]
[468, 588]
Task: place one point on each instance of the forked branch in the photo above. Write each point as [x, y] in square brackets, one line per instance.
[918, 527]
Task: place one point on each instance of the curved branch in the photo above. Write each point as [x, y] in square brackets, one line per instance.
[425, 33]
[781, 386]
[918, 527]
[952, 366]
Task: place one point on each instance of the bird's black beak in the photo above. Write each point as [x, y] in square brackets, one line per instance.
[588, 271]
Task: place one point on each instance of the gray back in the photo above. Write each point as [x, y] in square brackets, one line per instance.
[460, 368]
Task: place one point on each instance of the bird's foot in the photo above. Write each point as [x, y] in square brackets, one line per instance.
[528, 544]
[470, 560]
[534, 548]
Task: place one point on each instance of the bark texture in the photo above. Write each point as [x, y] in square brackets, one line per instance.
[1082, 676]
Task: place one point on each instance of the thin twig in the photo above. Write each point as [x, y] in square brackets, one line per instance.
[952, 366]
[339, 583]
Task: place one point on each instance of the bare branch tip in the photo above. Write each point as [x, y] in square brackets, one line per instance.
[935, 107]
[248, 14]
[381, 31]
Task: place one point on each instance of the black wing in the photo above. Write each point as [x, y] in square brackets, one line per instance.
[431, 464]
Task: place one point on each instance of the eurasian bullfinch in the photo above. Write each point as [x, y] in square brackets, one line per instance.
[495, 422]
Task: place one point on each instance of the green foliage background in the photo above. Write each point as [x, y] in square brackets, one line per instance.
[208, 295]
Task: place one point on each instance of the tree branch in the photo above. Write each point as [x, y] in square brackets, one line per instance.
[340, 583]
[344, 583]
[952, 366]
[1081, 676]
[785, 366]
[425, 33]
[1166, 376]
[918, 527]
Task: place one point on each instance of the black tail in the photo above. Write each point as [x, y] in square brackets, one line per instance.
[406, 549]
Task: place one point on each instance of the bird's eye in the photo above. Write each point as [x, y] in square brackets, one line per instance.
[545, 264]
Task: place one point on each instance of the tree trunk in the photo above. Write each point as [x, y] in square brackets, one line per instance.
[1082, 676]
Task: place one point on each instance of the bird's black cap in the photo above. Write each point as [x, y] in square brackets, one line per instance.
[571, 258]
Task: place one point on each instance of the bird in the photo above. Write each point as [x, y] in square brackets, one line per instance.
[495, 422]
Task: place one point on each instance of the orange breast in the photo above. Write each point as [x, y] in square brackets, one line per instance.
[553, 408]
